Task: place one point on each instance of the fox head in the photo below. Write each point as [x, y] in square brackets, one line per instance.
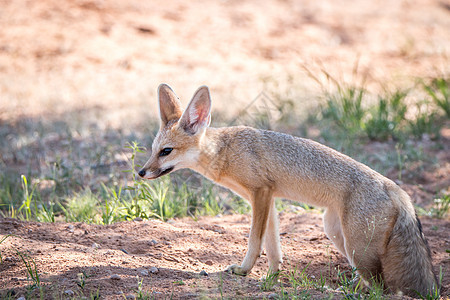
[176, 146]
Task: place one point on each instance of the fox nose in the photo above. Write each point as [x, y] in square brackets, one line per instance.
[142, 173]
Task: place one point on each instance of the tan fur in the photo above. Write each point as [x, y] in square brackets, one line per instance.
[368, 217]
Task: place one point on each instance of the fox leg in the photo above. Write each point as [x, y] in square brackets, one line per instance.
[332, 227]
[363, 253]
[261, 201]
[360, 251]
[272, 240]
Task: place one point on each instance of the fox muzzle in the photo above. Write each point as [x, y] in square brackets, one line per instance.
[156, 174]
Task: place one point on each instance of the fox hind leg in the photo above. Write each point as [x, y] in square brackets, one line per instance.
[334, 230]
[363, 253]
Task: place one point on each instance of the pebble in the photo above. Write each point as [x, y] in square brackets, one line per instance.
[273, 296]
[21, 298]
[190, 296]
[69, 292]
[203, 273]
[71, 228]
[154, 270]
[152, 243]
[115, 277]
[209, 263]
[138, 219]
[95, 245]
[143, 272]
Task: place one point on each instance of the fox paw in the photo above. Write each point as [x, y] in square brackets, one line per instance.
[236, 269]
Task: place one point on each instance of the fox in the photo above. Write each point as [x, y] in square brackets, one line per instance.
[368, 217]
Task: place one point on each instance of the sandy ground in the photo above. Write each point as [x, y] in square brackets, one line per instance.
[179, 250]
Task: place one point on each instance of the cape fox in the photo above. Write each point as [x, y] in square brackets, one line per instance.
[369, 218]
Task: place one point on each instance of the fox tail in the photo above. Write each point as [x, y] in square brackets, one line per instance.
[407, 261]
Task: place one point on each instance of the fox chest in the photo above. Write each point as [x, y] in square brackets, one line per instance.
[235, 186]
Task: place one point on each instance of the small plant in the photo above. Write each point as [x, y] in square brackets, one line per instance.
[179, 282]
[82, 279]
[32, 204]
[239, 205]
[27, 198]
[113, 209]
[82, 207]
[439, 90]
[353, 287]
[349, 283]
[400, 159]
[269, 281]
[32, 272]
[141, 295]
[425, 122]
[135, 149]
[11, 192]
[440, 207]
[221, 285]
[386, 117]
[299, 278]
[345, 109]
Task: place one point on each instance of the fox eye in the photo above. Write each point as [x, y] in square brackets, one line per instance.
[165, 151]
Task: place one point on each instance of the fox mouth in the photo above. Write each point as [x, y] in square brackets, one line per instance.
[160, 173]
[166, 171]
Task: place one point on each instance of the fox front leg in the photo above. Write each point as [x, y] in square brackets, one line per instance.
[261, 201]
[272, 241]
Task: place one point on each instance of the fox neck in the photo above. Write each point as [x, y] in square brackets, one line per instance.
[210, 159]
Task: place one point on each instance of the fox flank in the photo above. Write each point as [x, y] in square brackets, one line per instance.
[369, 218]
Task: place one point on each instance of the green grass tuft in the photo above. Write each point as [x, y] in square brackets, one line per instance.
[439, 90]
[386, 117]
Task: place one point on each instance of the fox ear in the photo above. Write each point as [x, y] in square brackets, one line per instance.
[169, 104]
[198, 113]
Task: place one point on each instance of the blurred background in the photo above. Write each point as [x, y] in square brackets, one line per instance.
[108, 57]
[78, 82]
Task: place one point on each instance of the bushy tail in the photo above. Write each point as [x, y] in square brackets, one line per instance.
[407, 261]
